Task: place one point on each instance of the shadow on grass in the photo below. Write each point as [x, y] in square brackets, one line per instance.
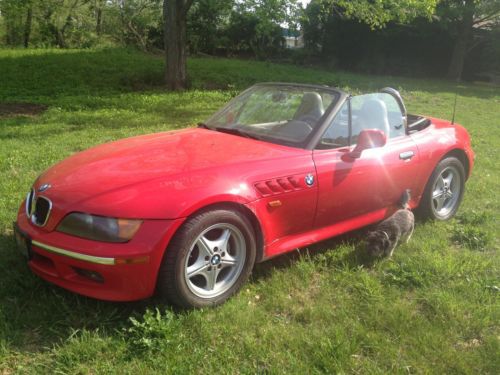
[350, 259]
[37, 315]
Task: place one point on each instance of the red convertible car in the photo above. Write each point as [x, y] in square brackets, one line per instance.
[187, 213]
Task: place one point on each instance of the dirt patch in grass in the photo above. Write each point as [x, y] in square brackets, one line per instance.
[21, 109]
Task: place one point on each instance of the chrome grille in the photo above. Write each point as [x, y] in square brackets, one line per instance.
[29, 203]
[38, 209]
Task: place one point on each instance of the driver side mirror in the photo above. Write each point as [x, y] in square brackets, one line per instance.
[369, 138]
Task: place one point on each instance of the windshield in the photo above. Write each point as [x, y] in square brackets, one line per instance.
[280, 114]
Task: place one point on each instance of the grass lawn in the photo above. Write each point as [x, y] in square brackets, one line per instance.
[433, 308]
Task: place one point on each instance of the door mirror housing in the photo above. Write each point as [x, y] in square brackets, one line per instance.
[368, 138]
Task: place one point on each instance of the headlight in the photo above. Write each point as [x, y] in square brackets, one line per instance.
[99, 228]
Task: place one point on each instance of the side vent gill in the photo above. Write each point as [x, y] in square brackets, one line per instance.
[278, 186]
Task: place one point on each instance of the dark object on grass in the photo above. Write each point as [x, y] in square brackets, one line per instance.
[21, 109]
[384, 239]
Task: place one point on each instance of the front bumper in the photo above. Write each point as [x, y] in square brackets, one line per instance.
[107, 271]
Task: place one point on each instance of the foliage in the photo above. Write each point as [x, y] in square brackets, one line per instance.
[255, 26]
[471, 237]
[207, 22]
[153, 331]
[141, 23]
[469, 231]
[486, 12]
[321, 15]
[375, 14]
[432, 308]
[475, 25]
[83, 23]
[12, 13]
[422, 46]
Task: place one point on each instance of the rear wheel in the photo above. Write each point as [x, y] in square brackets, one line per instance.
[208, 260]
[444, 191]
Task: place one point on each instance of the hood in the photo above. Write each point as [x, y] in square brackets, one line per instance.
[163, 156]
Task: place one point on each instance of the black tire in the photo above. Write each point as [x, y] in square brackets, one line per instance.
[190, 248]
[441, 207]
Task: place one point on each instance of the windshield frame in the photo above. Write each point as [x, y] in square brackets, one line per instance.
[310, 141]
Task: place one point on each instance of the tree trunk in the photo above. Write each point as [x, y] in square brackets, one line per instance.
[11, 38]
[456, 66]
[98, 21]
[27, 27]
[175, 13]
[59, 35]
[8, 34]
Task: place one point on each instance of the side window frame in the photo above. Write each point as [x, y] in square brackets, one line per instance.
[397, 96]
[349, 120]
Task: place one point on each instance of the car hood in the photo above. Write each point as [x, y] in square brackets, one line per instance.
[161, 156]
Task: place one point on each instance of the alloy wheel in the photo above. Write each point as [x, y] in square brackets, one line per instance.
[215, 260]
[446, 191]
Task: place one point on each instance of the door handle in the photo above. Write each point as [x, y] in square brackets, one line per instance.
[407, 155]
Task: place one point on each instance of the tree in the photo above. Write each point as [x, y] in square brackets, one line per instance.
[138, 19]
[97, 7]
[466, 18]
[256, 26]
[17, 19]
[269, 14]
[57, 16]
[28, 24]
[376, 14]
[207, 21]
[175, 18]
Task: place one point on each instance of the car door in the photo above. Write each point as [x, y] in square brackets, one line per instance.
[366, 186]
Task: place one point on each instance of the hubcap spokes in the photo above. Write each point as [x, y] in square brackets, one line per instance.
[215, 260]
[446, 191]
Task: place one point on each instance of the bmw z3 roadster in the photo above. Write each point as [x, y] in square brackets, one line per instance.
[186, 214]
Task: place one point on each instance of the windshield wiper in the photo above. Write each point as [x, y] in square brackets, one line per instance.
[204, 126]
[235, 131]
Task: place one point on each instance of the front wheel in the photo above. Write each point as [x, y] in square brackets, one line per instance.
[444, 191]
[208, 260]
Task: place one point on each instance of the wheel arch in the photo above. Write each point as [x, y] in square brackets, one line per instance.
[456, 153]
[462, 157]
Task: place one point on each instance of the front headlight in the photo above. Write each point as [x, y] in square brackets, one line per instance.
[99, 228]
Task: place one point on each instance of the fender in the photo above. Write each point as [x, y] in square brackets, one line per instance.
[446, 139]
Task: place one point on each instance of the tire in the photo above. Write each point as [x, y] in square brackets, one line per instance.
[444, 190]
[208, 260]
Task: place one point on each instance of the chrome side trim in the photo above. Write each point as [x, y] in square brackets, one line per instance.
[72, 254]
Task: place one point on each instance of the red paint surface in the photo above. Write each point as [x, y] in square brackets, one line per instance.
[163, 178]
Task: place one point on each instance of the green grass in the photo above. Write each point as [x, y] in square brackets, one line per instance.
[433, 308]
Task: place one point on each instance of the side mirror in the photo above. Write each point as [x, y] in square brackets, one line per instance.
[369, 138]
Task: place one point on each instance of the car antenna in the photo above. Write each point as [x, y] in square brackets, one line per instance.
[459, 78]
[454, 107]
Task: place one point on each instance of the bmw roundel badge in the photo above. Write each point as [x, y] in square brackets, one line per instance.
[44, 187]
[309, 179]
